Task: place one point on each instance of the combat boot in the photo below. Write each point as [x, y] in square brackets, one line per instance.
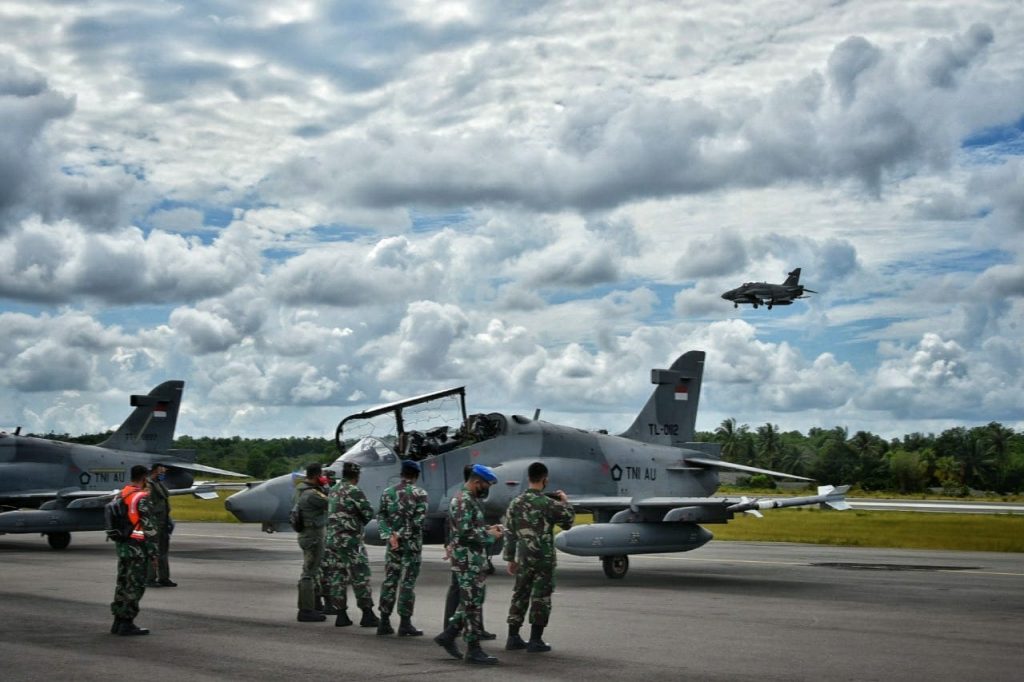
[384, 627]
[329, 608]
[369, 619]
[310, 616]
[341, 619]
[407, 629]
[477, 655]
[116, 627]
[484, 634]
[129, 628]
[446, 640]
[536, 645]
[514, 641]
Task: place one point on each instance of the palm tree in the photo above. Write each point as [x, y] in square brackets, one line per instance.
[769, 445]
[734, 440]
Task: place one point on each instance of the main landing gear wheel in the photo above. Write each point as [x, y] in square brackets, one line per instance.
[615, 567]
[59, 540]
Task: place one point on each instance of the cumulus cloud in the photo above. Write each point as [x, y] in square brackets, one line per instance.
[55, 353]
[868, 115]
[722, 254]
[939, 378]
[54, 263]
[535, 200]
[421, 345]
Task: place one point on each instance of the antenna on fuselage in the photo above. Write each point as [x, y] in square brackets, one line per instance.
[536, 414]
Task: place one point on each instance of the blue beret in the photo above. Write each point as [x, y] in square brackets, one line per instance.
[484, 472]
[410, 465]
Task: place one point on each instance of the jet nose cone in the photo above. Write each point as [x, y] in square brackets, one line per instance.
[251, 506]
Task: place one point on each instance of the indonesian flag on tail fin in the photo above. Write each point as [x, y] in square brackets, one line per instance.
[681, 392]
[160, 410]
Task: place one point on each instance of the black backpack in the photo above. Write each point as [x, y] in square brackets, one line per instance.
[115, 518]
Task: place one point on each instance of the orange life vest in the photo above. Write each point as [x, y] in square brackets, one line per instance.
[131, 495]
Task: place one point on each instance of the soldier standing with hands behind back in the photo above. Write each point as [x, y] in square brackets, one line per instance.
[403, 507]
[159, 572]
[311, 502]
[530, 553]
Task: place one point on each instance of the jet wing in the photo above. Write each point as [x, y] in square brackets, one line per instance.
[600, 502]
[75, 498]
[93, 499]
[719, 464]
[192, 466]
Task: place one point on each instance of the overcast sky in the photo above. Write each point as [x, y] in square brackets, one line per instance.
[306, 208]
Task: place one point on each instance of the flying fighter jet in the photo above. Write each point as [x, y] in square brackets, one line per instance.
[763, 293]
[648, 487]
[56, 488]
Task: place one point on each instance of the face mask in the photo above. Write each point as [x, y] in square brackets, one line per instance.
[161, 477]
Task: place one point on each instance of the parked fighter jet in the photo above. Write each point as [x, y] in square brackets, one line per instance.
[65, 485]
[648, 488]
[762, 293]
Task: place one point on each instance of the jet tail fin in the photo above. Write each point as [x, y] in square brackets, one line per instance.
[670, 415]
[150, 427]
[793, 279]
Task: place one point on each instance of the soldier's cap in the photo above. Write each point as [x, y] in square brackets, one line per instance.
[485, 472]
[410, 466]
[349, 469]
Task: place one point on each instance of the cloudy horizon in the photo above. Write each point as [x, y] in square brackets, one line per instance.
[308, 209]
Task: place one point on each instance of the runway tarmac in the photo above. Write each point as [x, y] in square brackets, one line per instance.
[728, 611]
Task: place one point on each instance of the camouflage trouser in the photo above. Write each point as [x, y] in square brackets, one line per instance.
[533, 588]
[132, 560]
[312, 544]
[469, 615]
[345, 563]
[400, 572]
[158, 567]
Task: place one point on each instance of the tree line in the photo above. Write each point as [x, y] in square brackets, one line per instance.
[958, 460]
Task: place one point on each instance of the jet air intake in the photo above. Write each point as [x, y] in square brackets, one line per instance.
[611, 539]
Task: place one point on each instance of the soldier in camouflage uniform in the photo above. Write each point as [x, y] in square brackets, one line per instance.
[530, 553]
[312, 504]
[469, 540]
[403, 507]
[345, 561]
[159, 572]
[133, 556]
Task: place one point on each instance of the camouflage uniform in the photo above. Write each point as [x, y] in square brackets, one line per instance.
[313, 505]
[403, 508]
[133, 557]
[468, 548]
[529, 542]
[160, 508]
[345, 561]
